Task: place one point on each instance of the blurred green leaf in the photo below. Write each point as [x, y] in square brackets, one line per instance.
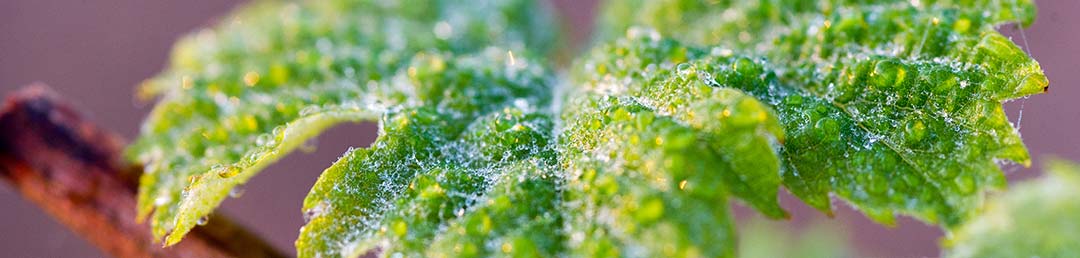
[760, 238]
[1037, 218]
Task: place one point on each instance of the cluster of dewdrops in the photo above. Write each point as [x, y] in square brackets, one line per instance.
[913, 107]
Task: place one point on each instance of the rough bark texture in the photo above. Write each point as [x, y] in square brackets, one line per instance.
[74, 171]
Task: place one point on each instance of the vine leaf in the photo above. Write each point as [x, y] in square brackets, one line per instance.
[893, 107]
[1033, 218]
[650, 163]
[761, 238]
[740, 132]
[420, 177]
[240, 96]
[527, 196]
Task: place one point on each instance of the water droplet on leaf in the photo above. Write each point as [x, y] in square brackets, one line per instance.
[227, 171]
[236, 192]
[685, 71]
[309, 145]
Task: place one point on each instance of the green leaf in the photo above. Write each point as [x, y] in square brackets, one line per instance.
[740, 132]
[1036, 218]
[242, 95]
[816, 238]
[648, 175]
[757, 23]
[894, 107]
[521, 217]
[420, 176]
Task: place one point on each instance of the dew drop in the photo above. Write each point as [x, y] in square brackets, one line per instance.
[888, 74]
[161, 200]
[685, 70]
[227, 171]
[639, 32]
[965, 184]
[186, 82]
[827, 129]
[400, 228]
[310, 214]
[746, 67]
[314, 212]
[721, 52]
[518, 127]
[278, 133]
[251, 78]
[265, 140]
[443, 30]
[522, 104]
[202, 220]
[510, 62]
[707, 79]
[310, 145]
[165, 237]
[309, 110]
[794, 100]
[236, 192]
[915, 131]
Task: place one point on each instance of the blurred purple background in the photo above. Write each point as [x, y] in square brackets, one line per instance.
[94, 52]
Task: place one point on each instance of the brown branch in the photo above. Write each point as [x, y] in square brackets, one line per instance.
[74, 171]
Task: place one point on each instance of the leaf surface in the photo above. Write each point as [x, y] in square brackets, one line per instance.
[650, 163]
[893, 106]
[420, 178]
[240, 96]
